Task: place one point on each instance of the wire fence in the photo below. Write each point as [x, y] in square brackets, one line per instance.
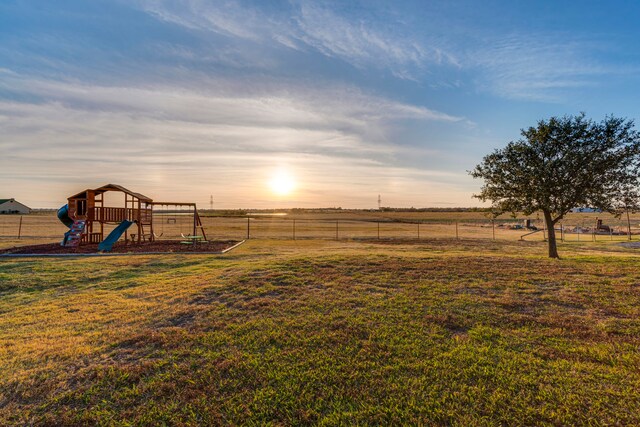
[172, 227]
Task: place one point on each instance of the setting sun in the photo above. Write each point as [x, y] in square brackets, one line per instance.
[282, 183]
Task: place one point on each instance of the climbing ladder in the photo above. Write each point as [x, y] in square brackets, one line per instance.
[75, 233]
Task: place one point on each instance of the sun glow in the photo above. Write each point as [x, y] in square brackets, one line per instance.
[282, 183]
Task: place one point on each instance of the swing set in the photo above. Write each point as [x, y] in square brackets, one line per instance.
[175, 220]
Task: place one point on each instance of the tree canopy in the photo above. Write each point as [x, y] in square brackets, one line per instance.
[563, 163]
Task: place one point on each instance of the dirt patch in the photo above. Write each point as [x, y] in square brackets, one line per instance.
[121, 247]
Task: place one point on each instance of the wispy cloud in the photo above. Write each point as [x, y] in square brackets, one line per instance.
[313, 25]
[224, 17]
[359, 42]
[297, 107]
[170, 133]
[538, 67]
[542, 66]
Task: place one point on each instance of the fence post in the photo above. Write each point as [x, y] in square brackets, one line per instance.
[457, 235]
[20, 228]
[294, 229]
[378, 230]
[418, 231]
[628, 224]
[336, 230]
[248, 229]
[493, 228]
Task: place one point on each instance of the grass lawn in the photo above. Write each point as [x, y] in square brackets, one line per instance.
[468, 332]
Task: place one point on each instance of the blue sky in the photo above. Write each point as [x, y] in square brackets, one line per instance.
[346, 100]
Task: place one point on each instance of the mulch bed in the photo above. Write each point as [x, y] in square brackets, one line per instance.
[120, 247]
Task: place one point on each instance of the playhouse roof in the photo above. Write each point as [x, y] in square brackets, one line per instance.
[113, 187]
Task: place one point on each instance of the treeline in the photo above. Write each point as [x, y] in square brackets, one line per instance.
[244, 212]
[454, 209]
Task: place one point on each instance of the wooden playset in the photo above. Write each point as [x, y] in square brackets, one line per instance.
[87, 213]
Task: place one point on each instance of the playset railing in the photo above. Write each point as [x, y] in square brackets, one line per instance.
[115, 215]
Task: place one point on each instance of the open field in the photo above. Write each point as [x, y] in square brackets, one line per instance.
[345, 225]
[282, 332]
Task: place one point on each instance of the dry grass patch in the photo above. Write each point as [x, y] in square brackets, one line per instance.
[440, 332]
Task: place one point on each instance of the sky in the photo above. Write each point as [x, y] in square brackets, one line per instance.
[295, 103]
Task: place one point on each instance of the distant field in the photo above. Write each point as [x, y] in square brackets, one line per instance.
[357, 225]
[283, 332]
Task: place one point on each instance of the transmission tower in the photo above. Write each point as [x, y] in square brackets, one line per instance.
[379, 202]
[211, 202]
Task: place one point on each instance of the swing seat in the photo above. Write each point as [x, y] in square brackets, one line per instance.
[192, 240]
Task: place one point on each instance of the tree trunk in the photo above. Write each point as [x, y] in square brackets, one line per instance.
[553, 247]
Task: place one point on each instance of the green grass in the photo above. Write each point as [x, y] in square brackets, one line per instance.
[329, 333]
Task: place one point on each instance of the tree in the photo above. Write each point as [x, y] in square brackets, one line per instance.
[563, 163]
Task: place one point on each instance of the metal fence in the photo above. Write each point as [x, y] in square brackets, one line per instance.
[48, 228]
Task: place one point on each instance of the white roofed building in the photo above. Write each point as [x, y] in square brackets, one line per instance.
[11, 206]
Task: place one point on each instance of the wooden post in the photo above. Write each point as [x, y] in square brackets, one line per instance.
[628, 224]
[418, 231]
[248, 229]
[149, 209]
[457, 235]
[378, 230]
[336, 230]
[493, 228]
[294, 229]
[194, 220]
[139, 222]
[20, 228]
